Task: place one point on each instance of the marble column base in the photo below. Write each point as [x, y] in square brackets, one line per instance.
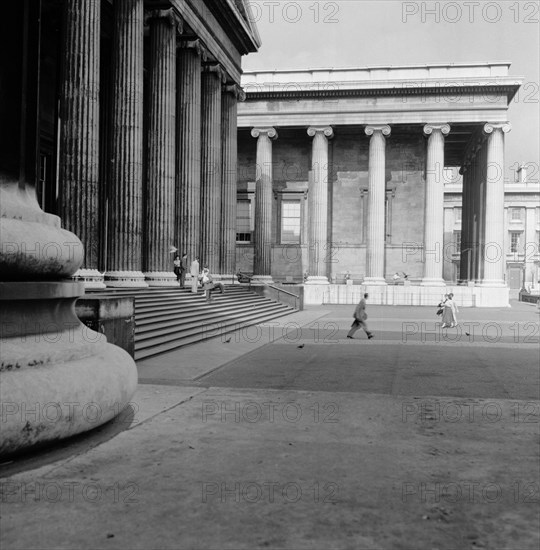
[262, 280]
[497, 283]
[316, 280]
[225, 279]
[92, 278]
[161, 278]
[125, 279]
[374, 281]
[432, 282]
[58, 377]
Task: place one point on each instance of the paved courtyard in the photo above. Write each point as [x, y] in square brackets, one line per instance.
[290, 436]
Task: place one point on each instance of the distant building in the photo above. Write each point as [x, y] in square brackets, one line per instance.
[343, 170]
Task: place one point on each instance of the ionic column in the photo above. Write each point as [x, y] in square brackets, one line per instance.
[229, 104]
[212, 78]
[465, 252]
[190, 54]
[124, 235]
[494, 254]
[318, 205]
[262, 265]
[79, 133]
[531, 244]
[376, 203]
[434, 205]
[160, 188]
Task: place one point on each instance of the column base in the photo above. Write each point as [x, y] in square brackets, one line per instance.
[374, 281]
[225, 279]
[492, 283]
[65, 373]
[262, 280]
[432, 282]
[161, 278]
[92, 278]
[316, 280]
[125, 279]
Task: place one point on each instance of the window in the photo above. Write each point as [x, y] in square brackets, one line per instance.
[515, 238]
[243, 221]
[515, 214]
[457, 215]
[290, 221]
[457, 241]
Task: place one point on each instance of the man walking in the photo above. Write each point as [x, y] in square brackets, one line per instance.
[360, 317]
[194, 270]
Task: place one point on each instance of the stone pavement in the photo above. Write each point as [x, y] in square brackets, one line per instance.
[290, 436]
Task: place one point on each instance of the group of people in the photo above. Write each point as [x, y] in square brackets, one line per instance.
[447, 308]
[197, 276]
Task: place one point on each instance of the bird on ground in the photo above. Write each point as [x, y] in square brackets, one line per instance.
[228, 340]
[301, 346]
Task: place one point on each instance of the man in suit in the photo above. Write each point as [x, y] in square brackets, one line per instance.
[360, 317]
[194, 270]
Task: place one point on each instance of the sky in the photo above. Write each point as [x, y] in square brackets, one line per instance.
[357, 33]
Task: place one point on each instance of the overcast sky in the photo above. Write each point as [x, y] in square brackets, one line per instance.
[355, 33]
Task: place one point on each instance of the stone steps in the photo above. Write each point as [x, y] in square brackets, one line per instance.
[168, 319]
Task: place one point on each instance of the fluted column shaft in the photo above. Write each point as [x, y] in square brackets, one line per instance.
[211, 167]
[318, 206]
[376, 204]
[229, 109]
[434, 205]
[124, 262]
[262, 264]
[465, 252]
[494, 254]
[188, 178]
[160, 188]
[79, 130]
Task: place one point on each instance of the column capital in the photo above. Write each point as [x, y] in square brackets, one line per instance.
[194, 44]
[217, 69]
[270, 132]
[491, 126]
[170, 15]
[443, 128]
[328, 131]
[383, 128]
[235, 90]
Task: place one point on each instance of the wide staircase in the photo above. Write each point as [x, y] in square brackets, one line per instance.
[167, 319]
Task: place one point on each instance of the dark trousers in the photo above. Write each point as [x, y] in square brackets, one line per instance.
[182, 277]
[357, 325]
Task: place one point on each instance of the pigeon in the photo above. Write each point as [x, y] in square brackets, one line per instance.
[301, 346]
[228, 340]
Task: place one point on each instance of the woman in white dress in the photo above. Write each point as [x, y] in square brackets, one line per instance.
[450, 311]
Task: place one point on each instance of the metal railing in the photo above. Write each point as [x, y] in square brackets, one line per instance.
[276, 288]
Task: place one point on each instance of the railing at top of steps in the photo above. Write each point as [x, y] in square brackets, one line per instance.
[276, 288]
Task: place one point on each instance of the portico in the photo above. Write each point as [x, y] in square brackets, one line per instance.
[368, 191]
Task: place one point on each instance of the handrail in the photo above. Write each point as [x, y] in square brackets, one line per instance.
[296, 297]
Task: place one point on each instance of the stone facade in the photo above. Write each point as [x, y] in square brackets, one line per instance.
[377, 206]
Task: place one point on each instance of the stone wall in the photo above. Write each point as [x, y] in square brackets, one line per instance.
[348, 181]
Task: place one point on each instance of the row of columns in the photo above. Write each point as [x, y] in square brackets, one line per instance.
[189, 195]
[490, 208]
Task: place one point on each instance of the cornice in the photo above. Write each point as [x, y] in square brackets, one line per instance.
[251, 95]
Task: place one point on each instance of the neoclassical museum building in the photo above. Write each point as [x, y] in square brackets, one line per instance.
[117, 142]
[361, 174]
